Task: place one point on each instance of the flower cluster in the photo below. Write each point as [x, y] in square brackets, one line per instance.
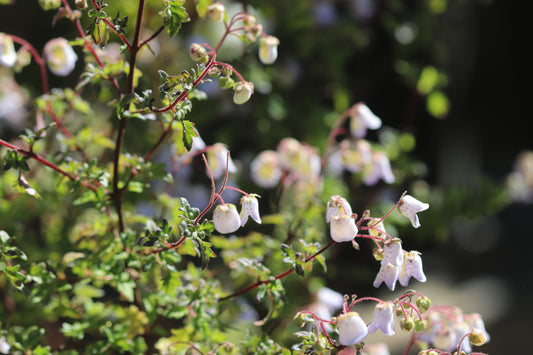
[293, 160]
[352, 329]
[448, 328]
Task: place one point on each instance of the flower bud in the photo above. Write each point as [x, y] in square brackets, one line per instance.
[216, 12]
[250, 207]
[407, 324]
[225, 82]
[243, 92]
[226, 218]
[60, 56]
[477, 337]
[423, 304]
[8, 56]
[23, 59]
[420, 325]
[198, 53]
[268, 49]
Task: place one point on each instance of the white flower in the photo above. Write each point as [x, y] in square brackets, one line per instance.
[290, 152]
[363, 119]
[343, 228]
[60, 56]
[217, 159]
[226, 218]
[352, 328]
[412, 267]
[410, 206]
[337, 206]
[330, 298]
[383, 318]
[393, 253]
[242, 92]
[378, 169]
[265, 169]
[268, 49]
[250, 207]
[389, 274]
[8, 55]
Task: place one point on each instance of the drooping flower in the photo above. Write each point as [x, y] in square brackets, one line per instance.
[379, 168]
[265, 169]
[410, 206]
[389, 274]
[8, 55]
[393, 253]
[363, 119]
[383, 318]
[198, 53]
[342, 228]
[250, 207]
[226, 218]
[356, 160]
[337, 206]
[60, 56]
[352, 328]
[242, 92]
[218, 158]
[412, 267]
[268, 49]
[290, 152]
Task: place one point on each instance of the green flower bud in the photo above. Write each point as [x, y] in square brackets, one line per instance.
[407, 324]
[81, 4]
[423, 304]
[420, 324]
[216, 12]
[50, 4]
[225, 82]
[198, 53]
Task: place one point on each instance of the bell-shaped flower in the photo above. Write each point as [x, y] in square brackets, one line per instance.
[412, 267]
[383, 318]
[337, 206]
[290, 152]
[330, 298]
[356, 160]
[410, 206]
[379, 168]
[250, 208]
[352, 328]
[216, 12]
[198, 53]
[389, 274]
[393, 253]
[60, 56]
[8, 55]
[217, 159]
[268, 49]
[445, 338]
[242, 92]
[265, 169]
[363, 119]
[226, 218]
[342, 228]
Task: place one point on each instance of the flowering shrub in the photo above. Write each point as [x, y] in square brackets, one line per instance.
[96, 257]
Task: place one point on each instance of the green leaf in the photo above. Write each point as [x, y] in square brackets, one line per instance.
[175, 14]
[201, 7]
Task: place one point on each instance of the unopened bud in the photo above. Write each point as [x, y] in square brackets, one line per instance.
[477, 337]
[243, 92]
[216, 12]
[407, 324]
[399, 311]
[420, 325]
[423, 304]
[198, 53]
[378, 254]
[225, 82]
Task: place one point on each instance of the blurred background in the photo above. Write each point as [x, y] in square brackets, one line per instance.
[450, 72]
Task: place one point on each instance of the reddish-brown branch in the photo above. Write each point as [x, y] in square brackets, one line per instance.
[278, 277]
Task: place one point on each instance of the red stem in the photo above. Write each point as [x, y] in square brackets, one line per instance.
[280, 276]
